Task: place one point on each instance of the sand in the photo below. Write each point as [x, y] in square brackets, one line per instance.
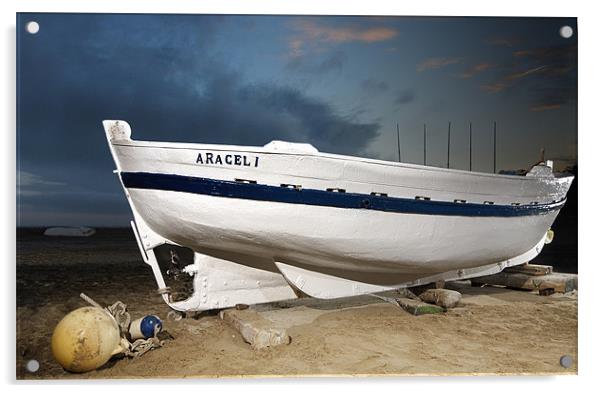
[494, 331]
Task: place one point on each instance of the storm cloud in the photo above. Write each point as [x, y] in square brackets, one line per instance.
[162, 75]
[374, 86]
[307, 64]
[405, 97]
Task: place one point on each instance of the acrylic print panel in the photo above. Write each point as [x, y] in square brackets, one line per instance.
[225, 195]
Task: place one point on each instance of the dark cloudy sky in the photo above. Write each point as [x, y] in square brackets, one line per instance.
[339, 83]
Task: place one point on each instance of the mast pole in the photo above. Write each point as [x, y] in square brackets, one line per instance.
[494, 146]
[470, 147]
[398, 144]
[424, 144]
[448, 141]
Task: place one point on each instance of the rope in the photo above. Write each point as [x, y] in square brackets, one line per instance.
[118, 311]
[90, 300]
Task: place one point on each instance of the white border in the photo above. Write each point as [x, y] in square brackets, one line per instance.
[589, 148]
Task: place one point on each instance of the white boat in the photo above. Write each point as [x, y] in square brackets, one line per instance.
[275, 222]
[70, 231]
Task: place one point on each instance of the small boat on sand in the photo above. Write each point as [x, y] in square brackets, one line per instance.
[285, 220]
[70, 231]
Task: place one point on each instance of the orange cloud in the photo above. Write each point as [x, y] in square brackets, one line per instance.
[494, 87]
[312, 34]
[313, 31]
[507, 80]
[482, 67]
[437, 62]
[475, 69]
[522, 53]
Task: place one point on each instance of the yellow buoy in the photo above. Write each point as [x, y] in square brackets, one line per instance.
[85, 339]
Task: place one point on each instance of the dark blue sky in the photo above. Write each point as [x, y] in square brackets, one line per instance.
[339, 83]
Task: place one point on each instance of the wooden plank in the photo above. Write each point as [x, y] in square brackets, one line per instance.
[255, 329]
[417, 307]
[533, 270]
[560, 282]
[441, 297]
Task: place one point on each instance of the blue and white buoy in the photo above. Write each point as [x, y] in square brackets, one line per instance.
[145, 327]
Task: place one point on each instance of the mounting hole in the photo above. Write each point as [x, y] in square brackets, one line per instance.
[566, 361]
[32, 366]
[32, 27]
[566, 31]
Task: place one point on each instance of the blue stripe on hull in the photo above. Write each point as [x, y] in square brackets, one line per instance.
[261, 192]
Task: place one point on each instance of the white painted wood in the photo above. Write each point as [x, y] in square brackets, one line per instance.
[323, 170]
[338, 251]
[217, 283]
[324, 286]
[376, 247]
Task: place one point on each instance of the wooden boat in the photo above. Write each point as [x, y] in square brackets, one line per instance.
[273, 222]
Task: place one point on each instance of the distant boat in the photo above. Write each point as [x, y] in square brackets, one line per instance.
[274, 222]
[70, 231]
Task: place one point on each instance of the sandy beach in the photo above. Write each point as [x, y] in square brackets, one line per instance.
[494, 331]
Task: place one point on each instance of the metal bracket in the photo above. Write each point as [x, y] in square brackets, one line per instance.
[217, 283]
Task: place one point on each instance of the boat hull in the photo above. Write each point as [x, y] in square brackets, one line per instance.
[368, 246]
[367, 225]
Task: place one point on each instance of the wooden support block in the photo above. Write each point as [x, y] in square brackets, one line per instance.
[417, 307]
[255, 329]
[441, 297]
[559, 282]
[533, 270]
[406, 292]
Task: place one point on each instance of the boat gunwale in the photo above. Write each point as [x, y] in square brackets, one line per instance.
[342, 157]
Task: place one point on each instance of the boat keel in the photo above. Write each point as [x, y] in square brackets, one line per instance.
[323, 286]
[219, 283]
